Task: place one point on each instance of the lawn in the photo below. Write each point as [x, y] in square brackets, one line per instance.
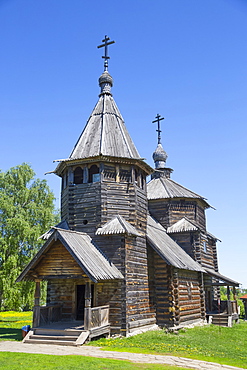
[210, 343]
[16, 361]
[11, 323]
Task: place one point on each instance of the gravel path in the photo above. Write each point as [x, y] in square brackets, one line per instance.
[12, 346]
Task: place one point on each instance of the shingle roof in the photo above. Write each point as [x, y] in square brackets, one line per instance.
[61, 225]
[185, 225]
[182, 225]
[88, 256]
[105, 133]
[168, 249]
[165, 188]
[117, 225]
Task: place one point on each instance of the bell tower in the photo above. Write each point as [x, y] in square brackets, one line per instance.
[104, 174]
[104, 195]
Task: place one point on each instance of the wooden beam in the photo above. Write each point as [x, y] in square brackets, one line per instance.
[36, 308]
[87, 310]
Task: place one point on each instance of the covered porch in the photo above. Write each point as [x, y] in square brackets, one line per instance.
[221, 312]
[76, 272]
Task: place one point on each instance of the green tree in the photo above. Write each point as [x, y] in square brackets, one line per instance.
[26, 212]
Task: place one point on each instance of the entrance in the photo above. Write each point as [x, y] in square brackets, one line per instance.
[80, 301]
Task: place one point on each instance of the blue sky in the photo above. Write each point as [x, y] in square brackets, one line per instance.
[184, 59]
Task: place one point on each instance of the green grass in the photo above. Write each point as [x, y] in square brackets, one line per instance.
[16, 361]
[11, 323]
[209, 343]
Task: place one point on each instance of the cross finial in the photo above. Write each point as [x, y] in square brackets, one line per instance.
[105, 45]
[158, 119]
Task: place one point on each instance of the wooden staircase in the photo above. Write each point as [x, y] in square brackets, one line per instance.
[221, 319]
[67, 337]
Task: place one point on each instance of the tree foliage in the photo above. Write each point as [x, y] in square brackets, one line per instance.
[26, 212]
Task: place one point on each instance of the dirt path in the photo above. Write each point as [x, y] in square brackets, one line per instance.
[12, 346]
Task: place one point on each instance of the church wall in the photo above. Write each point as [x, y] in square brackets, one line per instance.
[168, 212]
[62, 291]
[159, 209]
[130, 257]
[189, 296]
[177, 295]
[163, 293]
[114, 248]
[185, 241]
[138, 310]
[206, 252]
[112, 293]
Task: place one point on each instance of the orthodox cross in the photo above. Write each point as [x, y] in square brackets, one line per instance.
[105, 45]
[158, 119]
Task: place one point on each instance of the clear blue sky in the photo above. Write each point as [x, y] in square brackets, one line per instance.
[184, 59]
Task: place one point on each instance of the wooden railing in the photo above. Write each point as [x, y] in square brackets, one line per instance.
[96, 317]
[234, 307]
[46, 314]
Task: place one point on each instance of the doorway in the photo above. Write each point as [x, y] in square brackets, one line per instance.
[80, 300]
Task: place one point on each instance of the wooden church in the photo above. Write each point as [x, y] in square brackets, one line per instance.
[127, 255]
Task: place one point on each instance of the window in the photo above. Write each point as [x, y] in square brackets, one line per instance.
[94, 175]
[78, 175]
[205, 246]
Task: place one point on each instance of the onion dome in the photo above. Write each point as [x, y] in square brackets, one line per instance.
[159, 157]
[105, 83]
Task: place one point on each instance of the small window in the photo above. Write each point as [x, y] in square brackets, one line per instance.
[94, 175]
[65, 180]
[190, 286]
[135, 176]
[78, 175]
[205, 246]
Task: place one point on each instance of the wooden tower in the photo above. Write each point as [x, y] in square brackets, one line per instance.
[104, 195]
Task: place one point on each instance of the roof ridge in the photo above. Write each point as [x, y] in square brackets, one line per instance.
[200, 196]
[70, 231]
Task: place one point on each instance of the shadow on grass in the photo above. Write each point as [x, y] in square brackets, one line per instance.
[9, 333]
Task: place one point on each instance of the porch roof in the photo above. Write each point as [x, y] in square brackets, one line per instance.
[85, 252]
[168, 249]
[221, 277]
[117, 225]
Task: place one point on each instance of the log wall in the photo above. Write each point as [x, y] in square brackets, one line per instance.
[57, 261]
[168, 212]
[189, 296]
[62, 291]
[177, 295]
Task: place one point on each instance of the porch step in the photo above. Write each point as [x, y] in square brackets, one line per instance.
[221, 320]
[54, 336]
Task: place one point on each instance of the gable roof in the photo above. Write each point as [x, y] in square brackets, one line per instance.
[165, 188]
[185, 225]
[117, 225]
[61, 225]
[168, 249]
[85, 252]
[182, 225]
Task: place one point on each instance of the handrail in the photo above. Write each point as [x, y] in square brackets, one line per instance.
[96, 317]
[47, 314]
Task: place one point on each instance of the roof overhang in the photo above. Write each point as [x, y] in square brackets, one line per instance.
[84, 251]
[63, 163]
[222, 278]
